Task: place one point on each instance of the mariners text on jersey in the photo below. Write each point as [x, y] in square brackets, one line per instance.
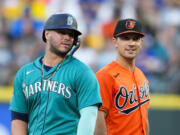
[47, 85]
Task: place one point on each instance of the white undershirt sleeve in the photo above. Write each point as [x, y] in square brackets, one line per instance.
[87, 120]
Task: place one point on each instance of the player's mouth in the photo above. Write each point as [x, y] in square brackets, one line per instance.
[66, 45]
[131, 50]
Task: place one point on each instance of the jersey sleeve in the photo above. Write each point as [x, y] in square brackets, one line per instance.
[19, 116]
[18, 102]
[106, 90]
[87, 90]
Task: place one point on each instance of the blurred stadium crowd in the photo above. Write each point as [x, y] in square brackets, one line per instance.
[21, 24]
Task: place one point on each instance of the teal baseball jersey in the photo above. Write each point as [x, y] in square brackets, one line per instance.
[53, 103]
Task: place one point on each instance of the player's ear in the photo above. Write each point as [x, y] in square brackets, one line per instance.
[114, 41]
[46, 34]
[142, 42]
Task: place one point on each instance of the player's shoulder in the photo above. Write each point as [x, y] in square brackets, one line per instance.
[29, 67]
[107, 69]
[139, 71]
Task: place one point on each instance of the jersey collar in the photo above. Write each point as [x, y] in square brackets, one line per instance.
[38, 64]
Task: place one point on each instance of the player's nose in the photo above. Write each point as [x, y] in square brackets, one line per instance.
[132, 42]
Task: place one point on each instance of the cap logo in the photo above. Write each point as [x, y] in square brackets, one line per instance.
[130, 24]
[69, 20]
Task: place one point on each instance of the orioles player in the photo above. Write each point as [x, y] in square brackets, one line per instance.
[56, 94]
[123, 86]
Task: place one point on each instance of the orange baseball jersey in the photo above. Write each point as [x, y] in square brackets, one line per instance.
[125, 97]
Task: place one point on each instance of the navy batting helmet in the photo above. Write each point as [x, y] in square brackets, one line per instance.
[61, 21]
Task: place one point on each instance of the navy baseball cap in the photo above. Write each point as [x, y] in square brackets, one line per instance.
[61, 21]
[128, 26]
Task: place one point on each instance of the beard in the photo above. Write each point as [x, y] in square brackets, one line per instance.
[59, 52]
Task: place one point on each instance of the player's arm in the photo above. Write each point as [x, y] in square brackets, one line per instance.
[18, 127]
[101, 124]
[87, 120]
[19, 123]
[106, 89]
[147, 129]
[18, 107]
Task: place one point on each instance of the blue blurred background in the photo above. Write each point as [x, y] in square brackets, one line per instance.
[21, 24]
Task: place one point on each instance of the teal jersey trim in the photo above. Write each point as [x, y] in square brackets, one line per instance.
[53, 105]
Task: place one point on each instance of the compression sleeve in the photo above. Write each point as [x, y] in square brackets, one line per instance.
[19, 116]
[87, 120]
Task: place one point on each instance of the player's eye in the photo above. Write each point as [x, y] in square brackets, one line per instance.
[136, 38]
[70, 33]
[125, 38]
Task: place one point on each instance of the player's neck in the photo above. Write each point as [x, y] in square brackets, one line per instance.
[127, 63]
[51, 60]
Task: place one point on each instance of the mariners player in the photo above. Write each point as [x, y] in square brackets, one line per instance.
[56, 94]
[123, 86]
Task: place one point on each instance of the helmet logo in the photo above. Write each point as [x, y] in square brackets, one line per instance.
[69, 20]
[130, 24]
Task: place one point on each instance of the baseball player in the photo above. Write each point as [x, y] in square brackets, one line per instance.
[56, 94]
[123, 86]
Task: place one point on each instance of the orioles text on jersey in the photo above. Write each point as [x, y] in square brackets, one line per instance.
[131, 97]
